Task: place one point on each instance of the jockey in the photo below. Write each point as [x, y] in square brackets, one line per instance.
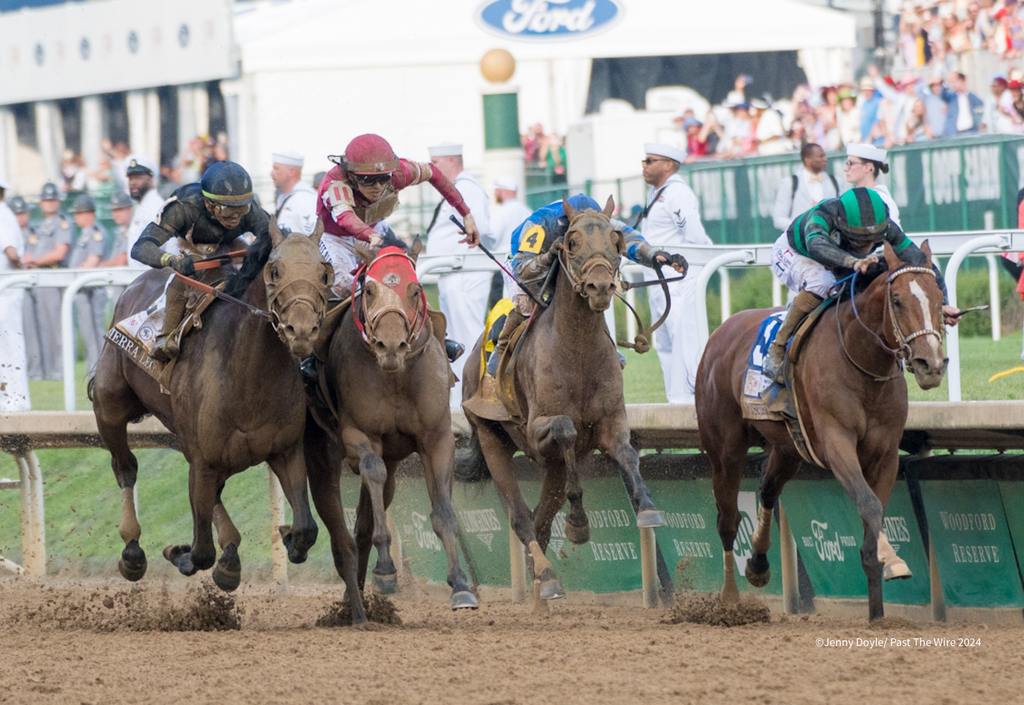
[532, 256]
[204, 217]
[361, 191]
[837, 235]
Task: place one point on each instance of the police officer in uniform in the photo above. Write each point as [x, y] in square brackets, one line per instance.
[204, 217]
[47, 245]
[142, 188]
[121, 213]
[296, 200]
[90, 302]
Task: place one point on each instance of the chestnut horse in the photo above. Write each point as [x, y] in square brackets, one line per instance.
[569, 387]
[853, 397]
[387, 368]
[236, 400]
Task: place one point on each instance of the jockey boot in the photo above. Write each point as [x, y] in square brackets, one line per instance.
[453, 349]
[309, 368]
[166, 344]
[485, 402]
[774, 363]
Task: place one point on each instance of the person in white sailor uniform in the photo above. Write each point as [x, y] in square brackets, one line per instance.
[463, 295]
[671, 218]
[14, 394]
[295, 205]
[865, 164]
[142, 175]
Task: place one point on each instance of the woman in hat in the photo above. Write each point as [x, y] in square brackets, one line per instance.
[865, 163]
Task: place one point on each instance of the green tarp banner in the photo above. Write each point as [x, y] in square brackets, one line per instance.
[690, 543]
[971, 541]
[828, 534]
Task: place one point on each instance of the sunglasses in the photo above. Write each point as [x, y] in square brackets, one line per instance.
[371, 179]
[225, 210]
[651, 160]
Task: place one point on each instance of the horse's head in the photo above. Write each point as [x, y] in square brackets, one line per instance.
[591, 251]
[393, 307]
[298, 281]
[915, 312]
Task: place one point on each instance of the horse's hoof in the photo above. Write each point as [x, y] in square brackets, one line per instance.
[550, 587]
[181, 557]
[758, 571]
[649, 519]
[464, 600]
[896, 571]
[132, 564]
[227, 574]
[296, 543]
[577, 534]
[385, 584]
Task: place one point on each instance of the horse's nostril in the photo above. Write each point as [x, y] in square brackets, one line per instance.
[289, 329]
[920, 363]
[403, 346]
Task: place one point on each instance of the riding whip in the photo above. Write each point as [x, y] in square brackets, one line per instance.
[494, 259]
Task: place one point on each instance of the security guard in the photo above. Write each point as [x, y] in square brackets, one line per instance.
[47, 246]
[91, 302]
[141, 174]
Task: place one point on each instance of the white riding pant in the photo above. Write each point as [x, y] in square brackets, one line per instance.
[799, 272]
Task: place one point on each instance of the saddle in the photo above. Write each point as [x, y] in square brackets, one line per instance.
[765, 400]
[506, 376]
[136, 335]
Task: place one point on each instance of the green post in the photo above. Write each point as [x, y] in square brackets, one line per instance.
[501, 121]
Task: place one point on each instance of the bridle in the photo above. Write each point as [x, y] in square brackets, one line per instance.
[366, 321]
[316, 301]
[902, 351]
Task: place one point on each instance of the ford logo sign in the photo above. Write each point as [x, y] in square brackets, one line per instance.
[548, 19]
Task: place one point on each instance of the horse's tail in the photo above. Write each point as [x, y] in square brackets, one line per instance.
[470, 465]
[252, 265]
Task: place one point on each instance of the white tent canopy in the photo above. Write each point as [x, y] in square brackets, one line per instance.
[314, 73]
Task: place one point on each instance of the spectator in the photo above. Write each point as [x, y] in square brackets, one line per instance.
[738, 94]
[73, 173]
[865, 163]
[532, 141]
[91, 302]
[738, 132]
[916, 128]
[118, 154]
[553, 156]
[803, 188]
[1017, 99]
[317, 179]
[965, 109]
[870, 102]
[296, 202]
[999, 115]
[696, 139]
[13, 378]
[848, 116]
[935, 107]
[768, 129]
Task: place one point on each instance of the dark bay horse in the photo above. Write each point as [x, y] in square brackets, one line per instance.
[389, 372]
[236, 400]
[569, 387]
[853, 399]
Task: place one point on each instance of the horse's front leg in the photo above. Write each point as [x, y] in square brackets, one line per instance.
[881, 476]
[202, 495]
[374, 475]
[437, 451]
[290, 469]
[554, 437]
[781, 465]
[227, 574]
[613, 439]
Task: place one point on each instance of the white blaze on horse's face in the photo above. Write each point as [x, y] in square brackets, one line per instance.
[927, 359]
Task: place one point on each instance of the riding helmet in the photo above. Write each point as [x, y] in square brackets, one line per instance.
[863, 212]
[228, 183]
[369, 154]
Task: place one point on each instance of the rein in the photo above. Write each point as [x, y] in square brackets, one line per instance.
[207, 289]
[902, 352]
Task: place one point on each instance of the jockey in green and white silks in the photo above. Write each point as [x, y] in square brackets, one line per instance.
[836, 236]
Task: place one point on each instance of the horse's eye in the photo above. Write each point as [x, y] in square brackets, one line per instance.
[896, 302]
[275, 273]
[572, 244]
[326, 276]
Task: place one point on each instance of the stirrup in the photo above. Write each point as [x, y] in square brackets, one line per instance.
[773, 372]
[308, 368]
[453, 349]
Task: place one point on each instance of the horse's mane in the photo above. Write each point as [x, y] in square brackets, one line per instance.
[252, 265]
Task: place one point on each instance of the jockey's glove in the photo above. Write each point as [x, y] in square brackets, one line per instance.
[183, 264]
[676, 261]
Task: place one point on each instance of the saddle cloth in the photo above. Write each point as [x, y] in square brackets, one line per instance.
[136, 335]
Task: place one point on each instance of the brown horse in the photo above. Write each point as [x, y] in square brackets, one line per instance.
[853, 397]
[390, 374]
[236, 400]
[569, 387]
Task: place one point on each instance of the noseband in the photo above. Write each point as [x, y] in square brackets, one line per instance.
[316, 300]
[595, 261]
[902, 351]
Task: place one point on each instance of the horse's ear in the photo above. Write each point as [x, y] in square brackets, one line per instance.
[318, 232]
[891, 258]
[609, 207]
[570, 212]
[927, 250]
[416, 249]
[276, 236]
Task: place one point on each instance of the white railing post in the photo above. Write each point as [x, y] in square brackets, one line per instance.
[744, 256]
[953, 334]
[33, 519]
[994, 308]
[725, 286]
[67, 329]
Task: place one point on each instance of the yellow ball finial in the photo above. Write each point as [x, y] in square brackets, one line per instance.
[497, 65]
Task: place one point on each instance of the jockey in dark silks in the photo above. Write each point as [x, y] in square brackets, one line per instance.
[531, 258]
[834, 238]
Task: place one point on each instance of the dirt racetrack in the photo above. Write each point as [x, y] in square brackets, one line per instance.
[75, 642]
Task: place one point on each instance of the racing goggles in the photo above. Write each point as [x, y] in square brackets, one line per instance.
[371, 179]
[225, 210]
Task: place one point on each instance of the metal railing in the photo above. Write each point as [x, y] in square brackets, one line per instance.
[705, 263]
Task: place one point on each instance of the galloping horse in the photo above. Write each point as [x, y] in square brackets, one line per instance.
[390, 374]
[569, 387]
[850, 388]
[236, 399]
